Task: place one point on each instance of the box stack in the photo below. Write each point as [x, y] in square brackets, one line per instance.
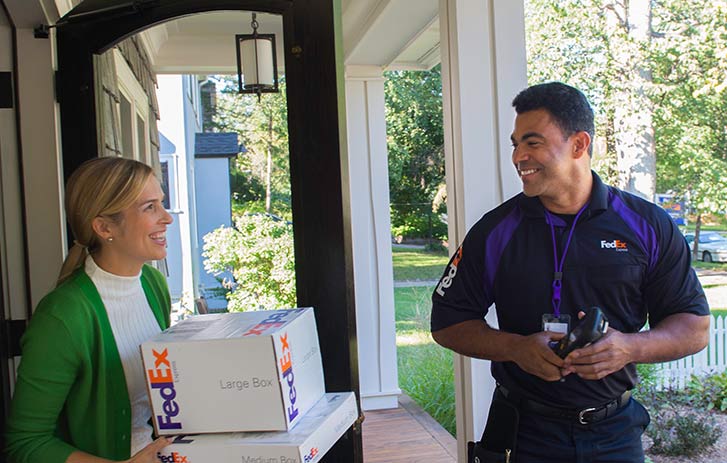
[230, 376]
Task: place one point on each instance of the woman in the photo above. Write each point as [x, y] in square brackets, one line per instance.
[80, 394]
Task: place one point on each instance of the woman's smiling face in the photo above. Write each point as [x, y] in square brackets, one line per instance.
[140, 233]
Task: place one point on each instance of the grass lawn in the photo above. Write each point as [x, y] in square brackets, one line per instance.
[426, 372]
[717, 266]
[418, 264]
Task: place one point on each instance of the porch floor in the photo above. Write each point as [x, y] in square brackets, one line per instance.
[406, 434]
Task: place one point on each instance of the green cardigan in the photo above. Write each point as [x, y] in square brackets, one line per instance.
[71, 391]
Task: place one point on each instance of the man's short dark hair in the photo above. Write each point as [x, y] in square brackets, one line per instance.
[567, 105]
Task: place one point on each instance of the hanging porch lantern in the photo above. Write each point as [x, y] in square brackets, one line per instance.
[257, 66]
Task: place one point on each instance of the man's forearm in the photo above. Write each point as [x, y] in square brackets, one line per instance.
[474, 338]
[675, 337]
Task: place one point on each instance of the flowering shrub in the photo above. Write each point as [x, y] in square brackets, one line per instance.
[258, 252]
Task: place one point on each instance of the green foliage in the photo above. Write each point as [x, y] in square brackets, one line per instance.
[689, 87]
[648, 374]
[686, 434]
[258, 252]
[415, 140]
[677, 426]
[709, 391]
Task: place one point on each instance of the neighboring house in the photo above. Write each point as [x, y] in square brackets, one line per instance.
[196, 171]
[101, 102]
[212, 153]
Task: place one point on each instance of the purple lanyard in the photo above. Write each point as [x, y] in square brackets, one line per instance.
[558, 274]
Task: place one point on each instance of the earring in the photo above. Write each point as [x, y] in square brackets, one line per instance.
[110, 239]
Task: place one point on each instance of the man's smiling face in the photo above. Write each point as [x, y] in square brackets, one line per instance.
[542, 155]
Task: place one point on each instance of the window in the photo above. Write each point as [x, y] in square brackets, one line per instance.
[165, 184]
[133, 112]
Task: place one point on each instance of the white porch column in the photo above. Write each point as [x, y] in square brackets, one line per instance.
[483, 68]
[371, 228]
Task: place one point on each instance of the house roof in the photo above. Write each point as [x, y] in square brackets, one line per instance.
[216, 145]
[165, 145]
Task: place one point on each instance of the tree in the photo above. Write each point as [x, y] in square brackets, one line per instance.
[415, 140]
[689, 67]
[261, 175]
[258, 252]
[599, 47]
[680, 67]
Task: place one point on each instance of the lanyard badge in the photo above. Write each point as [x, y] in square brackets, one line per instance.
[556, 321]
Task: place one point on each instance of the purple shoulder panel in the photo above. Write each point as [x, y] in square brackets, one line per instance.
[644, 231]
[496, 242]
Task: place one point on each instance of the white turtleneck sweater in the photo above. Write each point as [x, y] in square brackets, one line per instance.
[132, 322]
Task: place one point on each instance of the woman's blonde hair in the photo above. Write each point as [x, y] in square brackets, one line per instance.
[99, 187]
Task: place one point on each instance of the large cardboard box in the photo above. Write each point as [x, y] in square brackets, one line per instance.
[307, 442]
[249, 371]
[311, 438]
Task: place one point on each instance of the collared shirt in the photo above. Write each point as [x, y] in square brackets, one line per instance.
[626, 256]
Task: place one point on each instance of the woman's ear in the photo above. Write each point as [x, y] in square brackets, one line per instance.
[102, 227]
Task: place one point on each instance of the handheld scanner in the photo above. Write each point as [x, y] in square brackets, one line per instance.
[588, 330]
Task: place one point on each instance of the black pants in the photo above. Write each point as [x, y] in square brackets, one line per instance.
[616, 439]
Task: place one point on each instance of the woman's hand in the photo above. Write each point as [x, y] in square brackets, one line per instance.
[146, 455]
[149, 453]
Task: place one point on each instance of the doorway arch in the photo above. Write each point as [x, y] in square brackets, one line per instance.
[318, 166]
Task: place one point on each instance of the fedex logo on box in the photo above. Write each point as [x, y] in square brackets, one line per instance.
[311, 455]
[286, 368]
[160, 378]
[173, 457]
[274, 320]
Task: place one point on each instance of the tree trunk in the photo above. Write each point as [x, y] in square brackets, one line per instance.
[695, 244]
[633, 129]
[270, 164]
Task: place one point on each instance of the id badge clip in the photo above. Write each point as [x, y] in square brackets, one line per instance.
[557, 324]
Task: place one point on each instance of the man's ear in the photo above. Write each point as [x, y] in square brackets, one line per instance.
[581, 142]
[102, 227]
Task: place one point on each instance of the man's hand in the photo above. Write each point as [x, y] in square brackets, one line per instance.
[474, 338]
[676, 336]
[607, 355]
[534, 355]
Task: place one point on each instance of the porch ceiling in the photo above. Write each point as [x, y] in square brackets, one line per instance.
[392, 34]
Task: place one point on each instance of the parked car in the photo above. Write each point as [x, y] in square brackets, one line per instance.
[712, 246]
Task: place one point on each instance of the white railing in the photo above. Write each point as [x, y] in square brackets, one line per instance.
[713, 359]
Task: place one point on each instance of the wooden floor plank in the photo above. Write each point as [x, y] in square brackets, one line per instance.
[406, 434]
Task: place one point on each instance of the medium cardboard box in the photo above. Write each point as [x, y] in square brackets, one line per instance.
[248, 371]
[311, 438]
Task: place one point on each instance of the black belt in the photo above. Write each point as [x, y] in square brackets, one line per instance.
[586, 415]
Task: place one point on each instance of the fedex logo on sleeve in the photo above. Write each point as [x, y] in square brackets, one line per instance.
[286, 366]
[161, 379]
[446, 281]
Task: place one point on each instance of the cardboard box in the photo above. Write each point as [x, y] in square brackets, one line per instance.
[248, 371]
[311, 438]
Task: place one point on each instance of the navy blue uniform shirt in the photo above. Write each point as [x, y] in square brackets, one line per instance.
[626, 256]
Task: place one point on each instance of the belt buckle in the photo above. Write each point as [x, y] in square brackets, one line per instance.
[581, 417]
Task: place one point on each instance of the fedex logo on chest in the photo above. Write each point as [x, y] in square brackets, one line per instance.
[616, 245]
